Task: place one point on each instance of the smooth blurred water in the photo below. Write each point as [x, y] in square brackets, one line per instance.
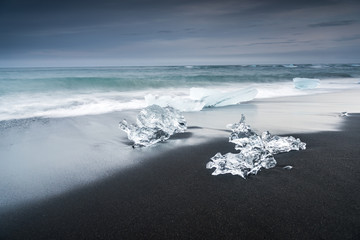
[19, 80]
[62, 92]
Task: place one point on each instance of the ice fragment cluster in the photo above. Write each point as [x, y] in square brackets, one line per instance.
[154, 124]
[256, 151]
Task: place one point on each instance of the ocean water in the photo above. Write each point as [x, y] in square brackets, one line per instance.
[59, 126]
[63, 92]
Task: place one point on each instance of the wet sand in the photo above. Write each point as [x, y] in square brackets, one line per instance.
[173, 196]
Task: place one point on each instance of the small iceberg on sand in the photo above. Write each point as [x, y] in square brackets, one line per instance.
[212, 98]
[306, 83]
[154, 124]
[256, 151]
[200, 98]
[288, 167]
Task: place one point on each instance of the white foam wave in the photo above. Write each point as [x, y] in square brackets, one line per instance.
[319, 66]
[61, 105]
[67, 104]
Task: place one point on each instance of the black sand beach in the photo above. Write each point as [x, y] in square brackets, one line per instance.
[175, 197]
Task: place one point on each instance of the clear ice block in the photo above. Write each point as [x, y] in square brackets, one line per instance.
[306, 83]
[154, 124]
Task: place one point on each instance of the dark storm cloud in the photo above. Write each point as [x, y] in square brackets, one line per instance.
[192, 29]
[333, 23]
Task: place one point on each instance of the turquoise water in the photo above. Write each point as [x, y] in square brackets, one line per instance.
[16, 80]
[58, 92]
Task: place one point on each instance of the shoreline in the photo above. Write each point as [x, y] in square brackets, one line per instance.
[49, 157]
[173, 196]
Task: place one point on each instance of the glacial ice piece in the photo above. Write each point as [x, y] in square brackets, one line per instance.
[154, 124]
[343, 114]
[306, 83]
[256, 151]
[240, 164]
[288, 167]
[182, 104]
[201, 93]
[276, 144]
[213, 98]
[200, 98]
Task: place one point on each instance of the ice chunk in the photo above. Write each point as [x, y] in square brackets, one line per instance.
[343, 114]
[306, 83]
[154, 124]
[200, 98]
[275, 144]
[213, 98]
[240, 164]
[288, 167]
[180, 103]
[256, 151]
[201, 93]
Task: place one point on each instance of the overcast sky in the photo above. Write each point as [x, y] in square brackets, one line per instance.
[169, 32]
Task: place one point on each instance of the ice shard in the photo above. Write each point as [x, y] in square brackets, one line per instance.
[276, 144]
[343, 114]
[306, 83]
[288, 167]
[154, 124]
[256, 151]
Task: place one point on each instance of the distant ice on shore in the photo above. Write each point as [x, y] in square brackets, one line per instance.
[256, 151]
[306, 83]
